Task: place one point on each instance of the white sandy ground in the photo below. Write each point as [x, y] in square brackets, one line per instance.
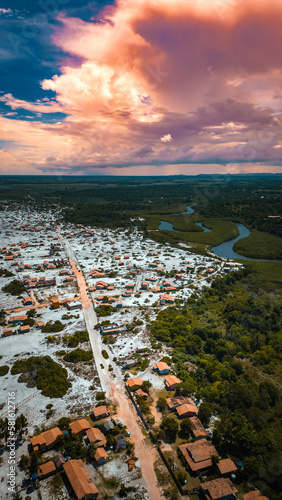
[89, 255]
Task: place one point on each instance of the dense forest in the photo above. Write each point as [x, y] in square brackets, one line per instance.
[233, 335]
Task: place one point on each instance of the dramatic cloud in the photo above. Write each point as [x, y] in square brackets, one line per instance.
[209, 71]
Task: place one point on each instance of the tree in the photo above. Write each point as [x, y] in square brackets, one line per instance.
[161, 404]
[170, 426]
[146, 386]
[185, 426]
[205, 412]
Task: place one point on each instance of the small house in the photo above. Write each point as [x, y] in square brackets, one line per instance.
[79, 426]
[161, 368]
[226, 467]
[171, 382]
[198, 455]
[46, 470]
[198, 431]
[108, 426]
[101, 456]
[100, 412]
[187, 410]
[59, 461]
[219, 489]
[120, 442]
[134, 383]
[95, 436]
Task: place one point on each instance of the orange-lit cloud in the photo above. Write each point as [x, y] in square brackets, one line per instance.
[159, 82]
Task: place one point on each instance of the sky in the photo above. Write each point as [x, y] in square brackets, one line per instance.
[140, 87]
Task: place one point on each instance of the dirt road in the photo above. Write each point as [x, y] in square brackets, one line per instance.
[113, 385]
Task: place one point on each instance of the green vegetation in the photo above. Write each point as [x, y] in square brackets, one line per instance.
[260, 245]
[14, 288]
[53, 327]
[79, 337]
[4, 273]
[170, 427]
[78, 355]
[232, 331]
[222, 230]
[44, 373]
[104, 310]
[105, 354]
[4, 370]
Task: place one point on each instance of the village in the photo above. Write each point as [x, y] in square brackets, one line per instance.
[84, 299]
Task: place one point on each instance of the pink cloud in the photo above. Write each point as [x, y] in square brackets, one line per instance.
[209, 71]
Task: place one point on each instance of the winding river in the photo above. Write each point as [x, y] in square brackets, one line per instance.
[225, 250]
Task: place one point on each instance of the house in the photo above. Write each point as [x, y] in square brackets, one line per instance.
[100, 412]
[46, 440]
[141, 394]
[40, 324]
[198, 455]
[176, 401]
[74, 305]
[111, 330]
[96, 437]
[166, 299]
[46, 470]
[187, 410]
[219, 489]
[79, 426]
[17, 319]
[80, 480]
[254, 495]
[162, 368]
[101, 456]
[27, 301]
[144, 285]
[55, 304]
[226, 467]
[198, 431]
[129, 363]
[7, 333]
[171, 382]
[24, 329]
[120, 442]
[134, 383]
[108, 426]
[59, 461]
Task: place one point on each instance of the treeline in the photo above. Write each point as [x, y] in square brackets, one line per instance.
[235, 340]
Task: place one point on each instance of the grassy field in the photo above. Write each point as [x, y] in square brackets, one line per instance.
[260, 245]
[265, 275]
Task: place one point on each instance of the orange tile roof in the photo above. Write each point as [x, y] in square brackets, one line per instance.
[198, 454]
[99, 410]
[79, 478]
[198, 428]
[46, 468]
[171, 380]
[187, 408]
[255, 494]
[100, 453]
[161, 366]
[219, 488]
[226, 466]
[96, 436]
[134, 381]
[79, 426]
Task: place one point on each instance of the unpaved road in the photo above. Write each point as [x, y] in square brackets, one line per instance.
[114, 386]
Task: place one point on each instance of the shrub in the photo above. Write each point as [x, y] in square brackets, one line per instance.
[79, 337]
[78, 355]
[4, 370]
[105, 354]
[44, 373]
[53, 327]
[14, 288]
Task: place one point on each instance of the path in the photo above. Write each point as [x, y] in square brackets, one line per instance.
[114, 388]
